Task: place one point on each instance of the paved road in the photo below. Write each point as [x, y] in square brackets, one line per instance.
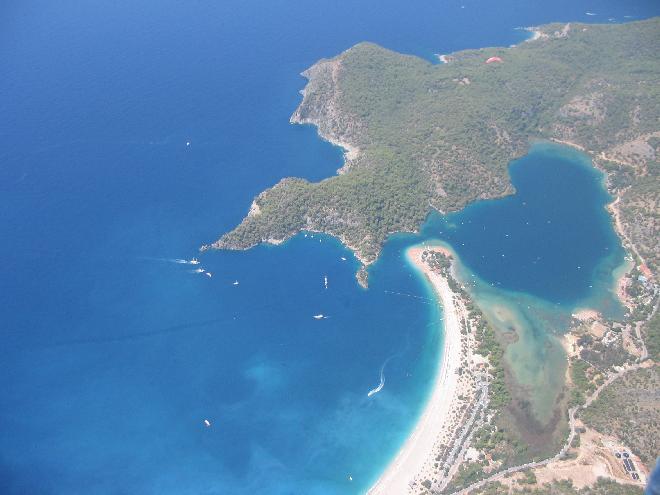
[461, 444]
[571, 412]
[571, 422]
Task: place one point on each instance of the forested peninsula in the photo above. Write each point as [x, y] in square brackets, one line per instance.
[420, 136]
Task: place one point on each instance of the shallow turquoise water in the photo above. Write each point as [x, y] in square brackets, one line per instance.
[112, 355]
[533, 258]
[551, 239]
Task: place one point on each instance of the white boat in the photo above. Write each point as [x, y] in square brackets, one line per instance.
[207, 423]
[325, 281]
[208, 274]
[380, 385]
[235, 282]
[199, 270]
[378, 388]
[318, 317]
[194, 261]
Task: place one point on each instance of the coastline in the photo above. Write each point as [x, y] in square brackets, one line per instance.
[536, 33]
[445, 59]
[329, 122]
[417, 460]
[620, 276]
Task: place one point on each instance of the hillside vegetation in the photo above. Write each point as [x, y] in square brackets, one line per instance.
[629, 410]
[564, 487]
[426, 136]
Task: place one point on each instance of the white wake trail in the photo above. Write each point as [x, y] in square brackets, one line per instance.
[179, 261]
[380, 386]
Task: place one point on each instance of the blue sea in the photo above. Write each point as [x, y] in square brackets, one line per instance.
[132, 133]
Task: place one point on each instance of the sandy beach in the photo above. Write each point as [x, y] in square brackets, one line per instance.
[414, 462]
[585, 314]
[537, 34]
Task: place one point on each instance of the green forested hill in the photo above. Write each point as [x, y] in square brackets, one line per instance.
[440, 136]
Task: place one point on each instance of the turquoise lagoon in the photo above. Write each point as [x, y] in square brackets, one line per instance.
[112, 354]
[551, 251]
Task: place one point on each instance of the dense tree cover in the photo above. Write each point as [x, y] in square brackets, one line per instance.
[640, 212]
[490, 347]
[582, 385]
[468, 473]
[442, 135]
[652, 337]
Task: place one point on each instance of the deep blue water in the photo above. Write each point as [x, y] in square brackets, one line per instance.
[551, 238]
[111, 357]
[533, 258]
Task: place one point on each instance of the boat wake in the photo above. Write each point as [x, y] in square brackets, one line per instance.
[193, 261]
[380, 386]
[425, 300]
[179, 261]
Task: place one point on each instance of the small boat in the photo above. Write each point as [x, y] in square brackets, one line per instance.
[343, 259]
[199, 270]
[208, 274]
[194, 261]
[350, 478]
[187, 143]
[318, 317]
[325, 281]
[207, 423]
[235, 282]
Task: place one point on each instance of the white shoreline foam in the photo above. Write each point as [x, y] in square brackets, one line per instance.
[412, 459]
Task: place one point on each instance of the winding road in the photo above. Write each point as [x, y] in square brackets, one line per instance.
[571, 421]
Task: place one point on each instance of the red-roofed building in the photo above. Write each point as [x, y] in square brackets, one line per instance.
[493, 59]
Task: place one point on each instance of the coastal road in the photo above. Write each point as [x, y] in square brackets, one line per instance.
[461, 446]
[571, 421]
